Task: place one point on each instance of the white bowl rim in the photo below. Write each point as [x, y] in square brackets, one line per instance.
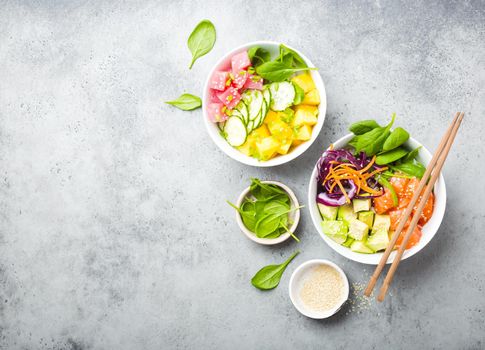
[431, 226]
[318, 314]
[281, 159]
[284, 236]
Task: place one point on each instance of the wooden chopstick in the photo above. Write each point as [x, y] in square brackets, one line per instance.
[411, 205]
[429, 188]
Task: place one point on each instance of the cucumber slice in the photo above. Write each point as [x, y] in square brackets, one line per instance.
[235, 131]
[282, 95]
[243, 109]
[253, 100]
[262, 115]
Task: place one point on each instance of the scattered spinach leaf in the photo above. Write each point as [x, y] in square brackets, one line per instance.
[297, 61]
[186, 102]
[411, 168]
[363, 127]
[397, 137]
[201, 40]
[269, 276]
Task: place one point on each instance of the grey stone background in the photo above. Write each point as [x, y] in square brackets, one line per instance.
[114, 231]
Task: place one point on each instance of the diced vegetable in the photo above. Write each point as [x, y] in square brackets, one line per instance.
[327, 212]
[378, 240]
[219, 80]
[282, 95]
[336, 230]
[358, 230]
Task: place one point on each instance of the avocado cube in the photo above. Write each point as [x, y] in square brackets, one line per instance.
[378, 240]
[361, 205]
[360, 247]
[358, 230]
[381, 222]
[346, 213]
[327, 212]
[367, 217]
[336, 230]
[348, 242]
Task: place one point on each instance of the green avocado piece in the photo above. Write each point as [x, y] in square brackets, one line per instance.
[327, 212]
[367, 217]
[346, 213]
[336, 230]
[361, 205]
[378, 240]
[360, 247]
[358, 230]
[381, 222]
[348, 241]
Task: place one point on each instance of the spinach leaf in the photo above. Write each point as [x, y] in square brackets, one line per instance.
[269, 276]
[297, 61]
[277, 71]
[411, 168]
[390, 156]
[267, 225]
[412, 155]
[397, 137]
[276, 207]
[287, 59]
[248, 217]
[363, 126]
[387, 184]
[258, 55]
[371, 142]
[201, 40]
[299, 94]
[186, 102]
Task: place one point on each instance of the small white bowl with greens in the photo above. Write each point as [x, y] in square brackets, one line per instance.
[267, 212]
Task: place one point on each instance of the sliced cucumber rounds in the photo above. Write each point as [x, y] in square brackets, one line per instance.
[282, 95]
[235, 131]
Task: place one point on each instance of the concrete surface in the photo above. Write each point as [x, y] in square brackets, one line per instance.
[114, 231]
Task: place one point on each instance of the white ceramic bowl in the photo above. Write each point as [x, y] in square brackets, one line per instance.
[296, 280]
[429, 230]
[273, 48]
[293, 215]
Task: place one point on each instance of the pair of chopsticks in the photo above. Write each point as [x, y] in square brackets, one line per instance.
[433, 170]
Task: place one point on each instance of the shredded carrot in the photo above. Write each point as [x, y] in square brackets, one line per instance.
[347, 171]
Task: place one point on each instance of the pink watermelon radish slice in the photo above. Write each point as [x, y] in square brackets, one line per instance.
[240, 61]
[230, 97]
[254, 82]
[219, 80]
[216, 114]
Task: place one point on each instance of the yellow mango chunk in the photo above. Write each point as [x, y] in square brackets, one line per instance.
[271, 116]
[305, 115]
[296, 143]
[267, 147]
[303, 133]
[305, 81]
[312, 98]
[285, 146]
[260, 133]
[246, 148]
[280, 130]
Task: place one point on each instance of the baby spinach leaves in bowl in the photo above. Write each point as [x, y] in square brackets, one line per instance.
[267, 212]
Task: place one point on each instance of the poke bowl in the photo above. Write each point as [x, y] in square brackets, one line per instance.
[360, 228]
[264, 103]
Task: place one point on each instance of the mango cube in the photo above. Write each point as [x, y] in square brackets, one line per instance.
[305, 81]
[260, 133]
[247, 147]
[305, 115]
[271, 116]
[303, 133]
[285, 146]
[312, 98]
[267, 147]
[280, 130]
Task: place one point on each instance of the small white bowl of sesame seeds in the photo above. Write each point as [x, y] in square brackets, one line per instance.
[318, 288]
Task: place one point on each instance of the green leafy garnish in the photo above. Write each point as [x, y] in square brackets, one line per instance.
[299, 94]
[296, 59]
[397, 137]
[391, 156]
[411, 168]
[186, 102]
[258, 56]
[391, 189]
[372, 141]
[278, 71]
[269, 276]
[412, 155]
[201, 40]
[265, 211]
[363, 126]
